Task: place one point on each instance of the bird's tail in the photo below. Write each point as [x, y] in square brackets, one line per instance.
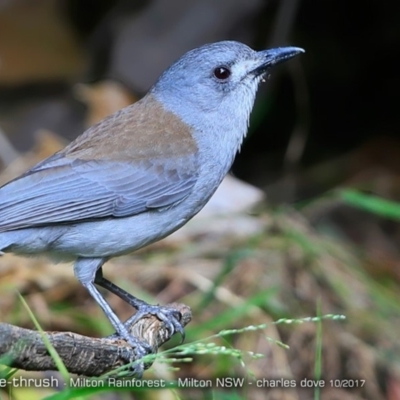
[4, 242]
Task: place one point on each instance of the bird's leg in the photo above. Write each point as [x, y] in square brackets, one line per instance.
[85, 270]
[168, 315]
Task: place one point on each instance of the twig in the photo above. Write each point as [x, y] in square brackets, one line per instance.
[25, 349]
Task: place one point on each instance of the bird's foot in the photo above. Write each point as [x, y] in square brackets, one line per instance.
[141, 349]
[169, 315]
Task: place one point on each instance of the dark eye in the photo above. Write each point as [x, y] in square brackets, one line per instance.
[222, 73]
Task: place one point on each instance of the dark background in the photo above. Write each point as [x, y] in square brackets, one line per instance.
[340, 98]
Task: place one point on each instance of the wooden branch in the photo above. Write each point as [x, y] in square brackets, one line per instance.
[25, 349]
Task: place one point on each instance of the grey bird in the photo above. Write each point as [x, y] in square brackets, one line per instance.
[139, 174]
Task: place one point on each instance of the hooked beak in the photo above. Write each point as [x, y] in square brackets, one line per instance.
[275, 56]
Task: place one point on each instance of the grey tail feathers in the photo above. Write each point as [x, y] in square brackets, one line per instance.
[4, 243]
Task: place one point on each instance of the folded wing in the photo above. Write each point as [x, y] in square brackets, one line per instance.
[63, 190]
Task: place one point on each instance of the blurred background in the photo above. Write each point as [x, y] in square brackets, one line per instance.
[307, 221]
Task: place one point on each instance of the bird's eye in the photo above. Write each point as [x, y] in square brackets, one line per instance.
[222, 73]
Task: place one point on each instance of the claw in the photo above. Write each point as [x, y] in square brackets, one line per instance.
[141, 350]
[173, 324]
[168, 315]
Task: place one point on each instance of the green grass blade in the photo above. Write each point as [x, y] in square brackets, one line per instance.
[230, 263]
[318, 353]
[52, 351]
[373, 204]
[234, 314]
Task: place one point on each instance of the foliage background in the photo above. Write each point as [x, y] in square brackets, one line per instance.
[324, 137]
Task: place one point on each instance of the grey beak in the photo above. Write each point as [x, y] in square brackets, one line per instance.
[276, 56]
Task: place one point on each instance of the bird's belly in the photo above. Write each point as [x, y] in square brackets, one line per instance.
[102, 238]
[119, 236]
[110, 237]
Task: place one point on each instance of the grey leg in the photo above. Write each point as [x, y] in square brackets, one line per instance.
[85, 270]
[169, 316]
